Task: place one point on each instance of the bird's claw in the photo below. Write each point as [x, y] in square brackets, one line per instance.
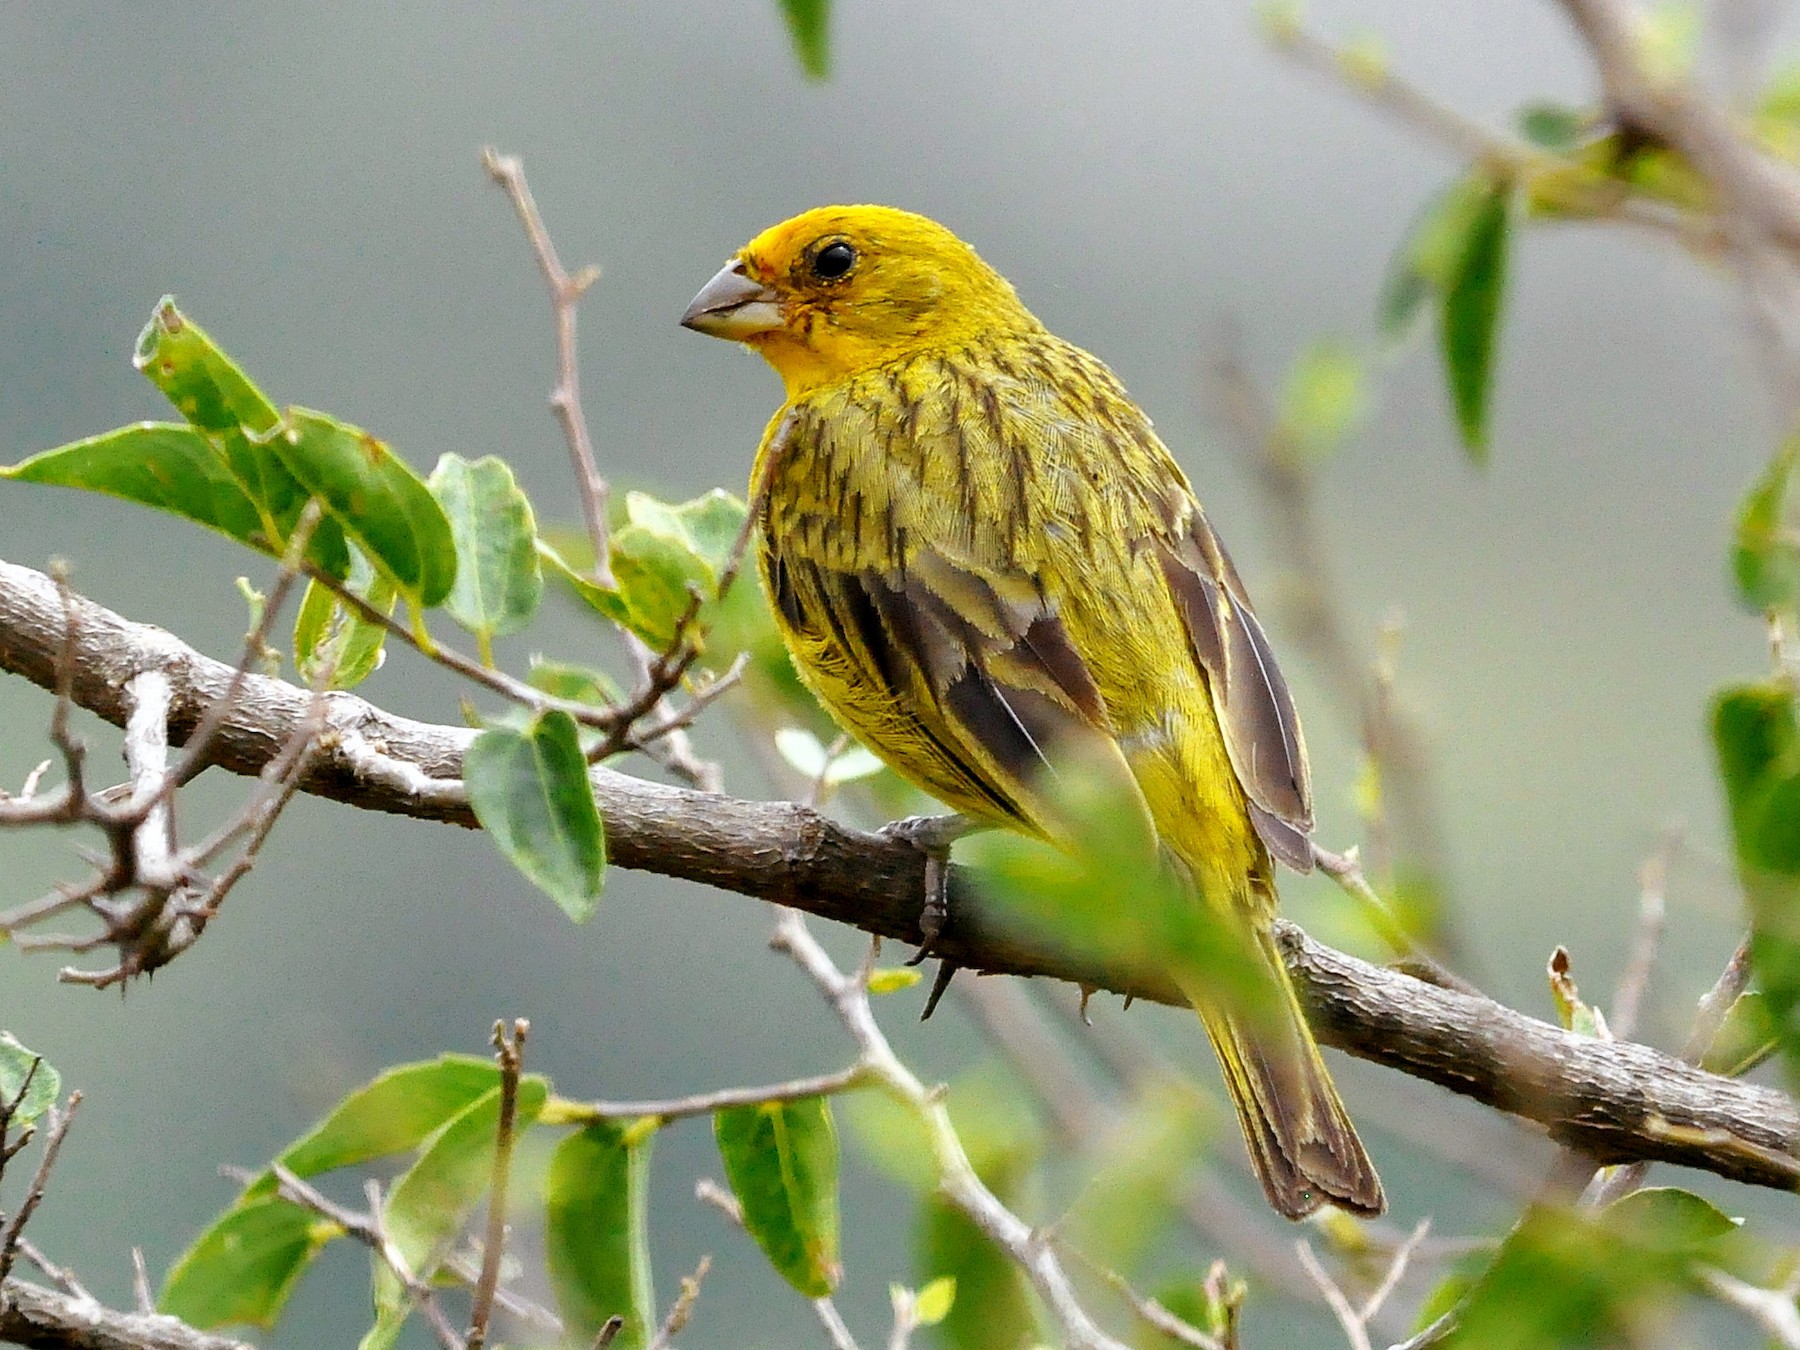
[932, 836]
[946, 972]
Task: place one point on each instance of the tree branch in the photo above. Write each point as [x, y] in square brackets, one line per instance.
[42, 1319]
[1616, 1101]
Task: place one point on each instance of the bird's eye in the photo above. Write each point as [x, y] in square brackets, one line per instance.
[833, 261]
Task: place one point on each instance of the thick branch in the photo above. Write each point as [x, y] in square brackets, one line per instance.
[1617, 1101]
[45, 1320]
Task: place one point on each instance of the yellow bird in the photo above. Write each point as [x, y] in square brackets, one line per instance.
[983, 559]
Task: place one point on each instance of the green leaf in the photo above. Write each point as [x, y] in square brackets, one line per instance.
[529, 789]
[1470, 315]
[328, 635]
[1758, 743]
[575, 684]
[808, 23]
[572, 683]
[392, 1113]
[1766, 550]
[664, 554]
[1671, 1219]
[206, 386]
[1325, 398]
[892, 979]
[161, 464]
[806, 754]
[1423, 262]
[209, 389]
[993, 1309]
[375, 496]
[27, 1079]
[1747, 1037]
[1113, 902]
[708, 526]
[596, 1236]
[1571, 1280]
[660, 556]
[932, 1304]
[1575, 1014]
[428, 1205]
[781, 1160]
[604, 599]
[655, 575]
[431, 1201]
[242, 1268]
[1136, 1166]
[499, 580]
[1554, 126]
[1781, 95]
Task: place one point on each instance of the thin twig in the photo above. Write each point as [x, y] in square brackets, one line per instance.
[1335, 1298]
[1653, 880]
[510, 1055]
[957, 1180]
[1346, 869]
[566, 290]
[705, 1103]
[60, 1120]
[1148, 1310]
[140, 1282]
[1390, 92]
[63, 1277]
[367, 1229]
[708, 1191]
[1773, 1310]
[682, 1309]
[1716, 1003]
[1355, 1321]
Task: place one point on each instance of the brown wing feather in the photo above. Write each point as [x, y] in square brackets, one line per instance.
[974, 664]
[1249, 693]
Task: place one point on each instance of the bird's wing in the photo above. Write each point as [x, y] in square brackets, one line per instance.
[1255, 712]
[964, 677]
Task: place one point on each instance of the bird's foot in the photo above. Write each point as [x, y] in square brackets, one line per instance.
[932, 836]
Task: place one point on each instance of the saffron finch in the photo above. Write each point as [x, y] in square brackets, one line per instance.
[983, 560]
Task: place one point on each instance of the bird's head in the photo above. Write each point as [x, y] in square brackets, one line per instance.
[841, 289]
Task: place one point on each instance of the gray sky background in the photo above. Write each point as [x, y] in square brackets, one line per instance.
[304, 179]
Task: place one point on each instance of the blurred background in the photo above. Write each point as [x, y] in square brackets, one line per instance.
[305, 180]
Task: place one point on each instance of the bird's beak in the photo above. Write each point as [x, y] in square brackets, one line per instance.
[733, 306]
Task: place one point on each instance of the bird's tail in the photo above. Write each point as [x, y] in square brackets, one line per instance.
[1302, 1144]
